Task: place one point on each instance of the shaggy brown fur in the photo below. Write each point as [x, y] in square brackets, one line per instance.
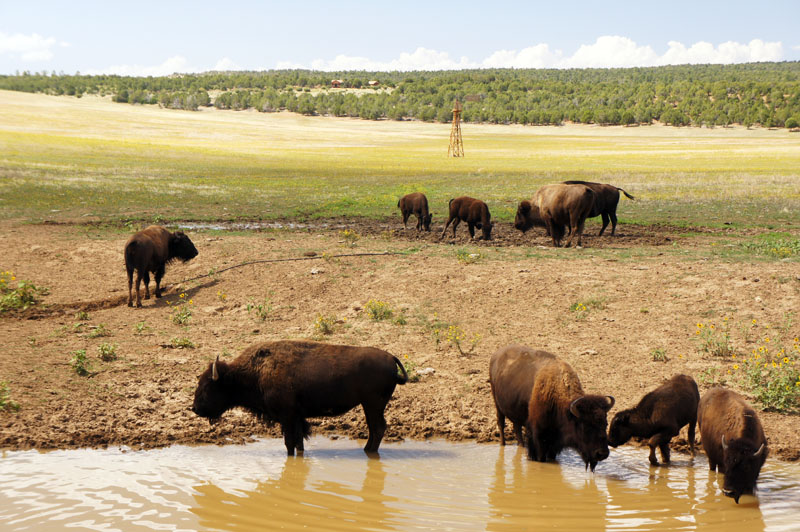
[416, 203]
[606, 199]
[560, 208]
[474, 212]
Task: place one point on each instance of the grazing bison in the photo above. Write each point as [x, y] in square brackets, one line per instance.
[289, 381]
[606, 198]
[150, 250]
[558, 208]
[559, 414]
[733, 439]
[660, 415]
[416, 203]
[474, 212]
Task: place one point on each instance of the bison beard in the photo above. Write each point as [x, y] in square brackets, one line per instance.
[289, 381]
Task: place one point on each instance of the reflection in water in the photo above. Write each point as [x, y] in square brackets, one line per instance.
[411, 486]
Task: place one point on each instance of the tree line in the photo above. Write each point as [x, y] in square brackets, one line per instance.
[765, 94]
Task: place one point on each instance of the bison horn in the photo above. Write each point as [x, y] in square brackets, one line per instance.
[572, 409]
[759, 451]
[724, 444]
[214, 372]
[611, 401]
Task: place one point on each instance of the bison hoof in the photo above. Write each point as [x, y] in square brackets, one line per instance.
[130, 303]
[138, 304]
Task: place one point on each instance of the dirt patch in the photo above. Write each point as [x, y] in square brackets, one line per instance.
[142, 398]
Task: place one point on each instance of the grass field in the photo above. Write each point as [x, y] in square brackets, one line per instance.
[67, 158]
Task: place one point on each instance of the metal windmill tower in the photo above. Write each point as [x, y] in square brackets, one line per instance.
[456, 148]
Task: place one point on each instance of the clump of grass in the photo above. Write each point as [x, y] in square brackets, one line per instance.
[378, 310]
[108, 352]
[324, 325]
[79, 363]
[775, 245]
[659, 355]
[98, 331]
[24, 296]
[465, 256]
[261, 310]
[181, 343]
[182, 310]
[7, 404]
[350, 237]
[582, 307]
[82, 315]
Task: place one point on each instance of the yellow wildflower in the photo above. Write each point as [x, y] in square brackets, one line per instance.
[736, 366]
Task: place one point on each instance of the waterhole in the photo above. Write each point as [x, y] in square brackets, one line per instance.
[411, 486]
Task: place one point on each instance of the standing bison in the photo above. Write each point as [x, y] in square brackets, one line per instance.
[289, 381]
[150, 250]
[556, 412]
[560, 208]
[416, 203]
[606, 198]
[660, 415]
[474, 212]
[733, 439]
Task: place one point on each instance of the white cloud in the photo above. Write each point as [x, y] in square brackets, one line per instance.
[31, 47]
[226, 64]
[174, 64]
[609, 51]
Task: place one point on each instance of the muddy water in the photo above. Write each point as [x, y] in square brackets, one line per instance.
[412, 486]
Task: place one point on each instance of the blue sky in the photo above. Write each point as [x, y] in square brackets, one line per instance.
[156, 38]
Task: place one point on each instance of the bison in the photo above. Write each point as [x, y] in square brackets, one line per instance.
[416, 203]
[289, 381]
[606, 198]
[733, 439]
[660, 415]
[558, 208]
[556, 413]
[474, 212]
[150, 250]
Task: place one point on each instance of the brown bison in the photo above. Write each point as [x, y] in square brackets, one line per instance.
[606, 198]
[660, 415]
[474, 212]
[733, 439]
[150, 250]
[560, 208]
[416, 203]
[558, 414]
[289, 381]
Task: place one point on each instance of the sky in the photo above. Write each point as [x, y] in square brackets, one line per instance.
[144, 38]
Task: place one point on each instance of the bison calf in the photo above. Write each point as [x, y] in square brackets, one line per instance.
[558, 413]
[559, 208]
[606, 198]
[474, 212]
[150, 250]
[289, 381]
[660, 415]
[733, 439]
[416, 203]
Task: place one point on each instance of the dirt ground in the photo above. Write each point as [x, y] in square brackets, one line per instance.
[639, 299]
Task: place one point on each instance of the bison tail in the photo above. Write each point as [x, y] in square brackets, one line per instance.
[629, 196]
[450, 202]
[130, 253]
[306, 429]
[401, 379]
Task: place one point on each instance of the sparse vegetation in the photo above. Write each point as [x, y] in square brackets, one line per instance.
[141, 327]
[411, 369]
[181, 309]
[7, 404]
[466, 256]
[350, 237]
[108, 352]
[98, 331]
[80, 363]
[659, 355]
[261, 310]
[23, 296]
[324, 325]
[181, 343]
[378, 310]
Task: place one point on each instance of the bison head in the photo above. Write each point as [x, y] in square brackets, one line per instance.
[180, 247]
[742, 462]
[589, 424]
[212, 398]
[620, 430]
[426, 221]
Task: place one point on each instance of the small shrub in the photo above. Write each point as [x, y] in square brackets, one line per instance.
[24, 296]
[411, 369]
[659, 355]
[714, 340]
[98, 331]
[182, 310]
[108, 352]
[350, 237]
[82, 316]
[7, 404]
[79, 363]
[324, 325]
[181, 343]
[378, 310]
[141, 327]
[261, 310]
[457, 337]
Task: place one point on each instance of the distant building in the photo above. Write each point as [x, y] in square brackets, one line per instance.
[336, 83]
[374, 83]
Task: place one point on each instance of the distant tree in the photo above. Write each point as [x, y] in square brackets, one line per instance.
[792, 122]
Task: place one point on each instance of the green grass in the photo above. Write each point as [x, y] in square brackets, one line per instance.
[63, 158]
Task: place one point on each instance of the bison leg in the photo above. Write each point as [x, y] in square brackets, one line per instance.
[405, 219]
[146, 279]
[138, 286]
[455, 224]
[661, 440]
[376, 424]
[613, 222]
[294, 431]
[501, 425]
[445, 228]
[419, 221]
[553, 232]
[471, 229]
[159, 276]
[130, 287]
[536, 446]
[605, 224]
[518, 434]
[691, 436]
[664, 448]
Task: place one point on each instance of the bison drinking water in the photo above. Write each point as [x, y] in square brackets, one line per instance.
[659, 416]
[289, 381]
[606, 198]
[416, 203]
[474, 212]
[150, 250]
[733, 439]
[556, 413]
[560, 208]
